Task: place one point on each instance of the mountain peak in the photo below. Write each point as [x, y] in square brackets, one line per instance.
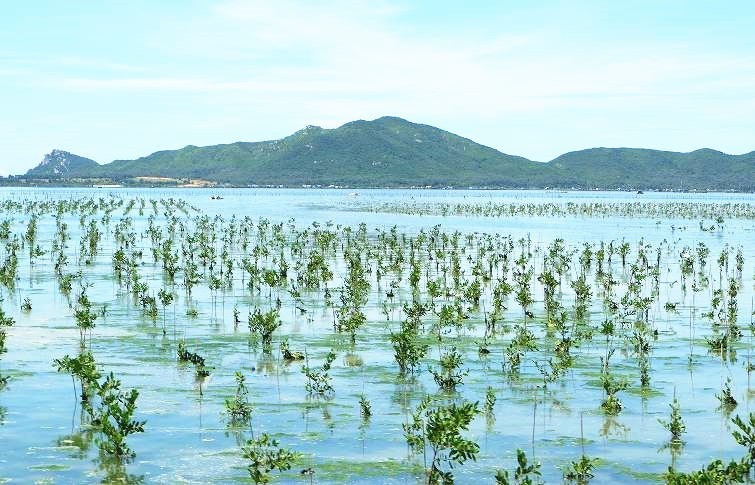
[393, 119]
[60, 163]
[55, 156]
[708, 151]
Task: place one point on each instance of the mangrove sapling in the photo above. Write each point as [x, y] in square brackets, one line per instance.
[166, 298]
[236, 317]
[551, 370]
[407, 349]
[115, 417]
[512, 361]
[289, 355]
[238, 408]
[85, 316]
[745, 436]
[365, 407]
[550, 284]
[675, 425]
[580, 471]
[718, 472]
[733, 329]
[641, 345]
[84, 368]
[440, 428]
[582, 297]
[483, 349]
[149, 305]
[266, 455]
[449, 376]
[523, 293]
[525, 473]
[720, 344]
[353, 297]
[611, 386]
[318, 380]
[200, 370]
[607, 328]
[5, 320]
[726, 398]
[350, 320]
[26, 305]
[671, 307]
[490, 399]
[644, 365]
[264, 324]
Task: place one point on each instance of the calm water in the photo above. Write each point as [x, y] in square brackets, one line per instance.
[186, 438]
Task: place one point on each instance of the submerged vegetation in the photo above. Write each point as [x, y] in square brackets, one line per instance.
[432, 340]
[712, 212]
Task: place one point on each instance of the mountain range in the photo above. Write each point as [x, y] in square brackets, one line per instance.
[393, 152]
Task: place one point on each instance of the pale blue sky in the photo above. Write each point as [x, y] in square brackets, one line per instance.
[109, 80]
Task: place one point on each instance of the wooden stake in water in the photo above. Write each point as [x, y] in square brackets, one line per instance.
[534, 410]
[582, 431]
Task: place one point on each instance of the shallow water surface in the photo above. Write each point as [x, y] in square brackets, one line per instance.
[187, 438]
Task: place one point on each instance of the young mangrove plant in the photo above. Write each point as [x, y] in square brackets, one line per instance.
[580, 471]
[407, 349]
[718, 472]
[675, 425]
[238, 408]
[5, 321]
[612, 385]
[288, 354]
[265, 455]
[84, 368]
[84, 315]
[200, 370]
[318, 380]
[526, 473]
[264, 324]
[365, 407]
[115, 418]
[440, 428]
[166, 298]
[726, 397]
[449, 376]
[489, 401]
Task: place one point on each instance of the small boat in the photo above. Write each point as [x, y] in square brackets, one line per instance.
[216, 197]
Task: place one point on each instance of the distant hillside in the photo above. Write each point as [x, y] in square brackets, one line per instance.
[655, 169]
[61, 164]
[392, 152]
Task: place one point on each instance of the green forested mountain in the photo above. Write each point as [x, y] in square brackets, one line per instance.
[386, 151]
[394, 152]
[655, 169]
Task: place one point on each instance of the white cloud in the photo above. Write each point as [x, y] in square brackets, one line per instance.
[353, 52]
[251, 66]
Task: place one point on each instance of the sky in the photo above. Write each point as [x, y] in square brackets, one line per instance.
[122, 79]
